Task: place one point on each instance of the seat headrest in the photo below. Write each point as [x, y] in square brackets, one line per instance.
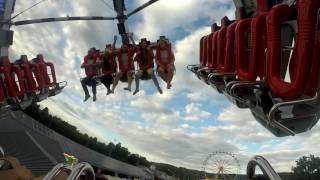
[225, 21]
[23, 59]
[264, 5]
[40, 57]
[214, 27]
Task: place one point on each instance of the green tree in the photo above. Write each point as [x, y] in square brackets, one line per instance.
[307, 168]
[62, 127]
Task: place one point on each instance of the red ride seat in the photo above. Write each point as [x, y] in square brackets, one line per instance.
[50, 81]
[225, 72]
[227, 63]
[292, 107]
[209, 54]
[30, 71]
[13, 81]
[44, 70]
[251, 39]
[307, 19]
[195, 68]
[213, 47]
[13, 88]
[34, 80]
[221, 40]
[218, 78]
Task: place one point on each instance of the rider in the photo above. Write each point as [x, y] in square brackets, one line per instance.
[145, 57]
[90, 65]
[108, 65]
[125, 61]
[165, 60]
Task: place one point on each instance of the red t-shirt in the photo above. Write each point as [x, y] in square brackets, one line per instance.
[91, 70]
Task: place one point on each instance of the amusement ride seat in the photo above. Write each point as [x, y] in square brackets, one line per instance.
[12, 79]
[289, 108]
[50, 80]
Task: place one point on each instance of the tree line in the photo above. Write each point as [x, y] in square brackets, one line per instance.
[116, 151]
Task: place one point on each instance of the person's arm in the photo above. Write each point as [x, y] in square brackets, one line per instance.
[157, 61]
[133, 42]
[153, 45]
[114, 42]
[84, 64]
[173, 58]
[98, 61]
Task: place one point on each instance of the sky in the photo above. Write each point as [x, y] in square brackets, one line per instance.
[180, 127]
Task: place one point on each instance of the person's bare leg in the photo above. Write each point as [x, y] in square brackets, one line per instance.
[162, 74]
[155, 80]
[170, 76]
[116, 81]
[137, 79]
[129, 76]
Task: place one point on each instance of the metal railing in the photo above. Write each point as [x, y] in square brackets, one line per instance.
[56, 170]
[80, 169]
[265, 167]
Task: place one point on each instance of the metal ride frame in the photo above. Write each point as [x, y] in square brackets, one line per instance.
[6, 35]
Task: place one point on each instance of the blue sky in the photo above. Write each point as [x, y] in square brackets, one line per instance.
[180, 127]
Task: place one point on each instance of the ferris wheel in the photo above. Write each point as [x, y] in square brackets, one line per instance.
[221, 165]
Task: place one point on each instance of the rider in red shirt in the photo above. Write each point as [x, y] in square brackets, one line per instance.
[145, 58]
[165, 60]
[125, 61]
[90, 66]
[109, 65]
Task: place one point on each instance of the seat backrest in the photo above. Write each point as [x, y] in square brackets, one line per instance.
[4, 61]
[303, 56]
[251, 62]
[205, 51]
[228, 63]
[10, 72]
[24, 59]
[222, 41]
[212, 47]
[201, 51]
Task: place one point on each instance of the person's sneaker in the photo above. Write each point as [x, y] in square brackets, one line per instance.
[135, 92]
[127, 89]
[160, 90]
[86, 98]
[94, 98]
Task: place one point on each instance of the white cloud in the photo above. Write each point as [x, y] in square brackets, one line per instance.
[185, 126]
[194, 113]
